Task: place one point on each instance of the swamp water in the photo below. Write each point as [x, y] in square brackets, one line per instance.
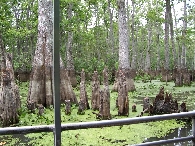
[177, 133]
[185, 94]
[182, 96]
[15, 140]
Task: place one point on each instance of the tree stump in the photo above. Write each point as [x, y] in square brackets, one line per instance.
[192, 72]
[174, 73]
[129, 80]
[134, 108]
[67, 107]
[31, 106]
[115, 86]
[178, 78]
[123, 101]
[183, 107]
[83, 104]
[95, 97]
[81, 109]
[164, 103]
[101, 105]
[166, 75]
[72, 76]
[152, 74]
[9, 93]
[40, 108]
[146, 104]
[104, 109]
[160, 95]
[186, 78]
[66, 89]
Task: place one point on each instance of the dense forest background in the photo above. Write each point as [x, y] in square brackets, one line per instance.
[161, 33]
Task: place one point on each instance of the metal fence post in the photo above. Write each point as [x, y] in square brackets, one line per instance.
[193, 130]
[56, 73]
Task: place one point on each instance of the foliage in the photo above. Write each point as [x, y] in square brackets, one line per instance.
[144, 77]
[22, 62]
[91, 27]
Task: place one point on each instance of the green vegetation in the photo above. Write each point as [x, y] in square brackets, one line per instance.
[118, 135]
[95, 36]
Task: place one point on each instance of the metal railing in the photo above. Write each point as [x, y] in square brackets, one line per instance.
[57, 129]
[109, 123]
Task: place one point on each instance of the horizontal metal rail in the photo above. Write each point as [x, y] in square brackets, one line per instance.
[107, 123]
[94, 124]
[160, 142]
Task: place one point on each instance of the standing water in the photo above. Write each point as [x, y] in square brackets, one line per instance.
[177, 133]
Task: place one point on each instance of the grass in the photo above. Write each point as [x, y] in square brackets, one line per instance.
[118, 135]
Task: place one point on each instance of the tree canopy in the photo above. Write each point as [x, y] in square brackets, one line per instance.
[95, 35]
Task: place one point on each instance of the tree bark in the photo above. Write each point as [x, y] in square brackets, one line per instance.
[167, 48]
[111, 33]
[83, 93]
[122, 101]
[178, 66]
[104, 109]
[124, 63]
[95, 97]
[194, 52]
[123, 37]
[183, 56]
[134, 54]
[148, 64]
[9, 93]
[69, 55]
[40, 88]
[158, 49]
[172, 38]
[67, 107]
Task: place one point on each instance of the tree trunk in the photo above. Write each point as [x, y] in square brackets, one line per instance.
[67, 107]
[158, 49]
[178, 77]
[40, 89]
[95, 97]
[83, 93]
[111, 33]
[123, 37]
[194, 53]
[178, 61]
[104, 109]
[172, 38]
[166, 65]
[66, 91]
[9, 92]
[186, 77]
[128, 26]
[69, 55]
[2, 54]
[183, 56]
[122, 101]
[124, 63]
[134, 54]
[148, 64]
